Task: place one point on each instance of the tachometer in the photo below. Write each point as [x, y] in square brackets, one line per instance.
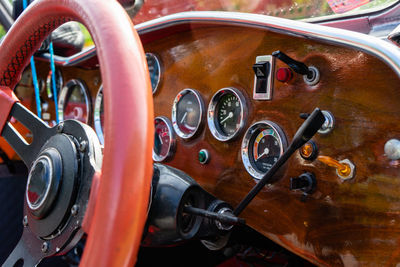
[263, 144]
[98, 116]
[154, 69]
[74, 102]
[164, 139]
[226, 113]
[187, 113]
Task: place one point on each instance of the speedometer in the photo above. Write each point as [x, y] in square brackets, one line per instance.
[263, 144]
[226, 113]
[74, 102]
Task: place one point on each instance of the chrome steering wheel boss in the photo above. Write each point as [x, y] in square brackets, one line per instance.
[44, 182]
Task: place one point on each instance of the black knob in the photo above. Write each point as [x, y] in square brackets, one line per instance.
[305, 182]
[295, 65]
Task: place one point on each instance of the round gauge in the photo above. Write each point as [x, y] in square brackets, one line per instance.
[98, 116]
[263, 144]
[154, 69]
[58, 83]
[226, 113]
[74, 102]
[164, 139]
[187, 113]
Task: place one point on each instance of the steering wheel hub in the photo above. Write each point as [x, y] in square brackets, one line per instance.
[43, 182]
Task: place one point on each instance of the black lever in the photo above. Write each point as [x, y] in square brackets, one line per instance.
[223, 218]
[297, 66]
[306, 131]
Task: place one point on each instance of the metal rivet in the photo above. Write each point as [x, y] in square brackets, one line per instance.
[25, 221]
[74, 210]
[82, 146]
[60, 127]
[45, 247]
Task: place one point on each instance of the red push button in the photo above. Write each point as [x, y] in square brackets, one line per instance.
[284, 74]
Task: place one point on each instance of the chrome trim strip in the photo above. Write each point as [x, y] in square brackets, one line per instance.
[385, 51]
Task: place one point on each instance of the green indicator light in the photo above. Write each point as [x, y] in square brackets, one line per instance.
[203, 156]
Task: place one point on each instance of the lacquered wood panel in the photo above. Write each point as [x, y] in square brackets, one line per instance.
[354, 222]
[344, 222]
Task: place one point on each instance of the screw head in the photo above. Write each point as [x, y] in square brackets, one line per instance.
[45, 247]
[60, 127]
[82, 146]
[25, 221]
[75, 210]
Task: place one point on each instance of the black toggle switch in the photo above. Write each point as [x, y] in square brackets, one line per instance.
[305, 183]
[295, 65]
[261, 69]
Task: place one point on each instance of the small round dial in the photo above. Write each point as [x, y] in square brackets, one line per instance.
[226, 114]
[164, 139]
[187, 113]
[263, 144]
[154, 66]
[74, 102]
[98, 116]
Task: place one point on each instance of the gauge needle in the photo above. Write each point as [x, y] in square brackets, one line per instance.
[184, 116]
[265, 153]
[159, 138]
[230, 115]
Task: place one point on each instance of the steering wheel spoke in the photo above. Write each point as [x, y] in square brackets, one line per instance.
[28, 251]
[40, 133]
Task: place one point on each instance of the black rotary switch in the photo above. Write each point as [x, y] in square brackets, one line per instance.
[305, 183]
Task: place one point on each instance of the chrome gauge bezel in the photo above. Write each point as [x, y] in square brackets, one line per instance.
[96, 115]
[64, 93]
[212, 116]
[175, 110]
[252, 170]
[157, 60]
[172, 141]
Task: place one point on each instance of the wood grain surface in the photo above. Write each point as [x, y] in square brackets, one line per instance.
[354, 222]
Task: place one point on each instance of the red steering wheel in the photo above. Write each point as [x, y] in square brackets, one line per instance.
[116, 213]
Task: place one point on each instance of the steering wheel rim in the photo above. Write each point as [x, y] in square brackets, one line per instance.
[119, 213]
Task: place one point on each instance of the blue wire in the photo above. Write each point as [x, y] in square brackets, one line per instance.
[53, 78]
[36, 85]
[34, 76]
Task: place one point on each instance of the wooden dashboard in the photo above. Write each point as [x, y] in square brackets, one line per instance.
[344, 222]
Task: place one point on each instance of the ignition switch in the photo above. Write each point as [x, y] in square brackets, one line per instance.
[305, 183]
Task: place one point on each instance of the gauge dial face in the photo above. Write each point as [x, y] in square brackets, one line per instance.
[226, 114]
[187, 113]
[98, 116]
[263, 144]
[164, 140]
[74, 102]
[154, 69]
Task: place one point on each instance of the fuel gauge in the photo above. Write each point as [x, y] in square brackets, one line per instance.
[164, 139]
